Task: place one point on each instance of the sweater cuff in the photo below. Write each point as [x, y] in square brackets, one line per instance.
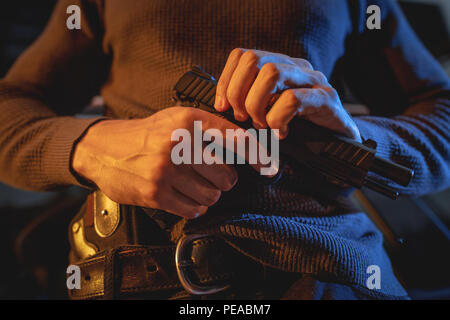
[58, 164]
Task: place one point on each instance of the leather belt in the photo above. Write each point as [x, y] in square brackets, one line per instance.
[202, 263]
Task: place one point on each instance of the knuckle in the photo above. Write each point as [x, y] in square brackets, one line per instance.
[212, 197]
[229, 181]
[237, 52]
[321, 91]
[332, 93]
[318, 77]
[254, 112]
[290, 98]
[305, 63]
[272, 121]
[326, 104]
[325, 94]
[233, 97]
[251, 107]
[161, 166]
[158, 180]
[150, 193]
[156, 172]
[185, 115]
[227, 185]
[250, 57]
[148, 175]
[270, 72]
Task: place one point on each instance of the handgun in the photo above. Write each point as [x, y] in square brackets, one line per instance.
[336, 157]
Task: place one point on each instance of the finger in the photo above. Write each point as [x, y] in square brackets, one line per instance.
[303, 63]
[193, 185]
[261, 93]
[240, 83]
[221, 176]
[177, 203]
[167, 198]
[273, 78]
[221, 103]
[293, 102]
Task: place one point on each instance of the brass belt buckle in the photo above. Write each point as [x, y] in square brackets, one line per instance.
[183, 262]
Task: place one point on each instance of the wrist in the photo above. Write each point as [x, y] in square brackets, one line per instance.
[83, 162]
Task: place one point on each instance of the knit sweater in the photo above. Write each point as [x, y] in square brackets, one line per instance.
[132, 52]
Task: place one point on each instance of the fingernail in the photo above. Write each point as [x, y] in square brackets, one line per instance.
[240, 117]
[280, 134]
[220, 103]
[256, 125]
[201, 211]
[259, 125]
[276, 133]
[284, 132]
[234, 179]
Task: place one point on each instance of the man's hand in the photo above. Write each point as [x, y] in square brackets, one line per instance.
[130, 161]
[252, 80]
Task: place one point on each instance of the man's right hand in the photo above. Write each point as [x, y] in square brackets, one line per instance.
[130, 161]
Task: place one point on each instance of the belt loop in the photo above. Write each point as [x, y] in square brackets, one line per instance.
[109, 277]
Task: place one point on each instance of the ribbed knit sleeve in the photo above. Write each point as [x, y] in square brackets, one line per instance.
[409, 94]
[48, 84]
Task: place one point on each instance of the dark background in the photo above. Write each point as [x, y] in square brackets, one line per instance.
[33, 226]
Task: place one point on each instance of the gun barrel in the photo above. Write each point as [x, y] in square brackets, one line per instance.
[393, 171]
[384, 190]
